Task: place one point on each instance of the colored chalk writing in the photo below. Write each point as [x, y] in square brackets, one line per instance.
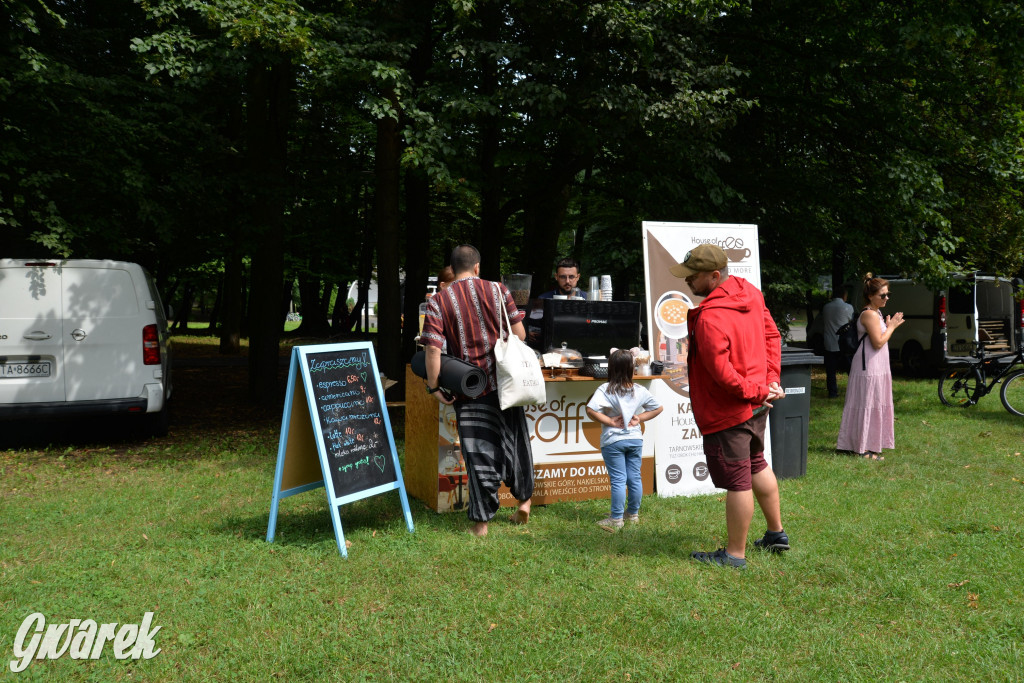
[348, 404]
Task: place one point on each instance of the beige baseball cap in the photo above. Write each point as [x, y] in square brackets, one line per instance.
[701, 259]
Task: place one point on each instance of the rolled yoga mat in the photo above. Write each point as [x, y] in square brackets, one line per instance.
[456, 376]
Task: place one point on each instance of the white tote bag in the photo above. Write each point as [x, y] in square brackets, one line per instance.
[520, 379]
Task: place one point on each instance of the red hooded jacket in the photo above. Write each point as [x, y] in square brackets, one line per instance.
[735, 352]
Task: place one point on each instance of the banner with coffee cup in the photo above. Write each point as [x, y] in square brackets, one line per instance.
[680, 467]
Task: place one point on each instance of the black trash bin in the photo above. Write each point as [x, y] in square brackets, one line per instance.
[788, 417]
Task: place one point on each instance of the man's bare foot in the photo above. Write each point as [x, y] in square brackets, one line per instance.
[521, 515]
[478, 529]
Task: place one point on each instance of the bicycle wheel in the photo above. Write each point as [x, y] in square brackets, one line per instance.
[1012, 393]
[961, 387]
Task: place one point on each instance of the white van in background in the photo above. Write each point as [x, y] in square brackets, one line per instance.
[920, 342]
[943, 325]
[982, 309]
[82, 337]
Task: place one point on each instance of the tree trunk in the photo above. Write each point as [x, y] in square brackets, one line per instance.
[268, 111]
[182, 317]
[314, 321]
[339, 316]
[386, 199]
[492, 221]
[584, 219]
[218, 304]
[324, 306]
[838, 269]
[543, 218]
[417, 202]
[231, 329]
[363, 283]
[417, 240]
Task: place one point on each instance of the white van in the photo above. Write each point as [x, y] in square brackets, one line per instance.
[82, 337]
[982, 308]
[943, 325]
[920, 343]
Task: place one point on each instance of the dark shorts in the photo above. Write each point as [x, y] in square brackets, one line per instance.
[736, 454]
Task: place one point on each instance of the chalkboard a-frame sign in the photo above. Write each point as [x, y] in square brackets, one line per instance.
[335, 432]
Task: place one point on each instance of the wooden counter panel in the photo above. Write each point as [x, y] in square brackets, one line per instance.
[421, 415]
[565, 442]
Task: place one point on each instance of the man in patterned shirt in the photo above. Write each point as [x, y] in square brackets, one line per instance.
[495, 442]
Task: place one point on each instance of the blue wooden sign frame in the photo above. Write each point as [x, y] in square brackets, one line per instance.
[302, 434]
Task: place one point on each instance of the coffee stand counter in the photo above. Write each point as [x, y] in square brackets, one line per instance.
[566, 446]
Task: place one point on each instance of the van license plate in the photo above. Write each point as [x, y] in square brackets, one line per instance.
[14, 369]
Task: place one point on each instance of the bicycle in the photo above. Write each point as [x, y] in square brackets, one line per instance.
[965, 386]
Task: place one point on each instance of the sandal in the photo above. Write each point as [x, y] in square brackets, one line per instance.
[872, 456]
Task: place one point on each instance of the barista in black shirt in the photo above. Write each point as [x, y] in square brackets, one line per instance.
[567, 277]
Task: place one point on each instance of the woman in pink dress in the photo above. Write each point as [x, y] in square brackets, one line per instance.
[867, 425]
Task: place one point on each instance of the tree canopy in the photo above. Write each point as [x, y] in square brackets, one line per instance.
[245, 146]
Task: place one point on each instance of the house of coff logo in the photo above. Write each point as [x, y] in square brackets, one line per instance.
[731, 245]
[727, 242]
[564, 422]
[559, 420]
[81, 639]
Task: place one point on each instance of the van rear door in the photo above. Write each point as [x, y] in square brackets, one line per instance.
[961, 320]
[30, 332]
[983, 313]
[101, 333]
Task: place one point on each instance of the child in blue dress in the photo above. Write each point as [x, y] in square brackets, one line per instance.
[620, 406]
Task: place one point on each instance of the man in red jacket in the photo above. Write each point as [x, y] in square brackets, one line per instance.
[734, 360]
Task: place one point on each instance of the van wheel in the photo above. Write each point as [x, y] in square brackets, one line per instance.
[913, 359]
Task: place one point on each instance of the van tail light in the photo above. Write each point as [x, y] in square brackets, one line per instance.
[150, 345]
[942, 313]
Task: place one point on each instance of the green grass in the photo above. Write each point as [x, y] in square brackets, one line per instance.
[904, 570]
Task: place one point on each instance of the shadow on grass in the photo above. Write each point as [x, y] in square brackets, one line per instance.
[305, 519]
[667, 532]
[74, 432]
[300, 528]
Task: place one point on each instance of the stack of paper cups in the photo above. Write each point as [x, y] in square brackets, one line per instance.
[606, 288]
[594, 291]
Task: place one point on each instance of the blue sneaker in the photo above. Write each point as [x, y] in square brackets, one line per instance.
[721, 558]
[773, 541]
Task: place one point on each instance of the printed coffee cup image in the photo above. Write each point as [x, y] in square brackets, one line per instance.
[737, 254]
[670, 314]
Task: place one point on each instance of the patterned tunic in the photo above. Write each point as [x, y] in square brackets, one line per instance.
[496, 442]
[468, 315]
